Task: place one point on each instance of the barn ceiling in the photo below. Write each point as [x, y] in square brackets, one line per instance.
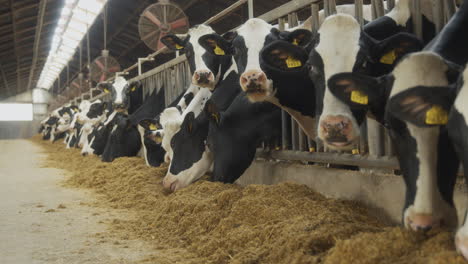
[27, 28]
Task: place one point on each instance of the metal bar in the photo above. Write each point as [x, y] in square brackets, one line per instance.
[285, 139]
[251, 8]
[377, 8]
[358, 12]
[450, 9]
[226, 11]
[314, 9]
[417, 18]
[37, 38]
[390, 4]
[4, 79]
[285, 9]
[333, 158]
[375, 138]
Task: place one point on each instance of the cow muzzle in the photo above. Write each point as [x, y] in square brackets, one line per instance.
[204, 78]
[256, 85]
[422, 222]
[337, 132]
[170, 183]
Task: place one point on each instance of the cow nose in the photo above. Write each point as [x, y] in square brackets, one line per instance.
[203, 77]
[336, 130]
[423, 222]
[253, 81]
[84, 154]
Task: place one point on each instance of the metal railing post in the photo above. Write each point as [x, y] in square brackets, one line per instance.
[251, 9]
[417, 18]
[358, 13]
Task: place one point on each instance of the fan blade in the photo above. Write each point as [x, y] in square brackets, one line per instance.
[152, 18]
[165, 14]
[100, 65]
[103, 77]
[160, 44]
[150, 35]
[113, 69]
[179, 23]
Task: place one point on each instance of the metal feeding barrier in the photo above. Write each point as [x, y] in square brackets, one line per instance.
[374, 149]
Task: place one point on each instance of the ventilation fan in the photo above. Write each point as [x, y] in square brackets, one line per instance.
[103, 67]
[159, 20]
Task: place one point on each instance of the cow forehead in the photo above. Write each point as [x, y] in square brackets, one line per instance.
[119, 84]
[254, 32]
[339, 44]
[198, 50]
[419, 69]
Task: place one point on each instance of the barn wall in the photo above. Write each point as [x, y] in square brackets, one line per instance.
[18, 129]
[383, 192]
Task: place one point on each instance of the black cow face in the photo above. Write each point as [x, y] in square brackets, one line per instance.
[204, 66]
[191, 158]
[426, 156]
[96, 110]
[123, 141]
[235, 134]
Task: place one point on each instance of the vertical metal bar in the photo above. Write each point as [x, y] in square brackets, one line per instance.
[438, 12]
[389, 148]
[390, 4]
[375, 138]
[314, 9]
[251, 8]
[358, 13]
[285, 142]
[417, 18]
[378, 8]
[450, 9]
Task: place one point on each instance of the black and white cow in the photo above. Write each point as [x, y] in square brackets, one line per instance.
[338, 125]
[206, 69]
[427, 158]
[235, 134]
[429, 106]
[191, 158]
[126, 97]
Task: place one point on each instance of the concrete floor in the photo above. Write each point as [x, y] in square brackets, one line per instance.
[30, 233]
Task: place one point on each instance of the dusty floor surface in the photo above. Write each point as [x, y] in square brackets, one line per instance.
[41, 222]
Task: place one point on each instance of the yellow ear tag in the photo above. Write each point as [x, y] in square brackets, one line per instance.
[359, 97]
[389, 58]
[133, 88]
[177, 46]
[106, 90]
[292, 62]
[153, 127]
[218, 50]
[312, 149]
[216, 117]
[158, 139]
[355, 151]
[295, 42]
[436, 116]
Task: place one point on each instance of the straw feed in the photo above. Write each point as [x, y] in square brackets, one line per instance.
[223, 223]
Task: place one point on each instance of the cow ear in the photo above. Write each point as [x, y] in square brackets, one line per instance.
[149, 124]
[283, 56]
[173, 42]
[212, 112]
[216, 45]
[391, 50]
[357, 90]
[105, 87]
[229, 36]
[423, 106]
[298, 37]
[135, 86]
[189, 122]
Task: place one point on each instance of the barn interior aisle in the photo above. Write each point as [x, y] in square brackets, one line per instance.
[42, 222]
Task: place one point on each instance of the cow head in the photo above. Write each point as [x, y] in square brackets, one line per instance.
[120, 90]
[244, 45]
[340, 39]
[204, 66]
[426, 156]
[191, 158]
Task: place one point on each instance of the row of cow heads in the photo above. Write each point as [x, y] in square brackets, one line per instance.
[339, 46]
